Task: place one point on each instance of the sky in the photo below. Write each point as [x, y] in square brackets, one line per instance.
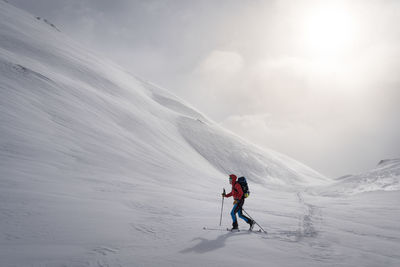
[316, 80]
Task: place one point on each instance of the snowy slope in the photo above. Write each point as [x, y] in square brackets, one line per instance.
[100, 168]
[81, 109]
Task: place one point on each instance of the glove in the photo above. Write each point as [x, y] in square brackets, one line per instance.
[235, 202]
[223, 194]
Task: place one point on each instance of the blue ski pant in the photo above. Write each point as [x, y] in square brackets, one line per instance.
[237, 208]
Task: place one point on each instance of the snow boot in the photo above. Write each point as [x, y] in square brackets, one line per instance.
[235, 226]
[251, 223]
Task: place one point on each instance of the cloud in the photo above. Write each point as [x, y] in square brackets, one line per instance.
[220, 65]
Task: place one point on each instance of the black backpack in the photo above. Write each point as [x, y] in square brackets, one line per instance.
[245, 188]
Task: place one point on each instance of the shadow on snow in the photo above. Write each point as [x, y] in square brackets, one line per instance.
[207, 245]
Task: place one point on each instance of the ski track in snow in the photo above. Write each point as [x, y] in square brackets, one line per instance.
[307, 220]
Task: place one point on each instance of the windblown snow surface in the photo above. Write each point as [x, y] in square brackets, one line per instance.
[100, 168]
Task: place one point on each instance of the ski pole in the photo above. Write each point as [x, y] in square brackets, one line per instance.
[222, 207]
[254, 221]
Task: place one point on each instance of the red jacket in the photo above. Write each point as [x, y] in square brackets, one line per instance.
[237, 191]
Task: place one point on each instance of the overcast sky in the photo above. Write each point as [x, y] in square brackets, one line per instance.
[316, 80]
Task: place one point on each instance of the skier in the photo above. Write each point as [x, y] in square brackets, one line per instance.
[238, 202]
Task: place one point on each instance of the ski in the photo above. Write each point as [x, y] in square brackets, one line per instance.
[220, 229]
[230, 230]
[213, 229]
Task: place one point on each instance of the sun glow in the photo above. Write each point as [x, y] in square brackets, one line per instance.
[329, 31]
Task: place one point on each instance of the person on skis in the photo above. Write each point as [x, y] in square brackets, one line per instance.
[238, 202]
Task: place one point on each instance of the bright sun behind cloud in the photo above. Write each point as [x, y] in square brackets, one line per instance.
[328, 30]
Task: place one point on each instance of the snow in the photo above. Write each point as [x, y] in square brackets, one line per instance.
[101, 168]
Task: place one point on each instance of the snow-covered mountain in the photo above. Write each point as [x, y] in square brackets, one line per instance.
[384, 177]
[101, 168]
[67, 107]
